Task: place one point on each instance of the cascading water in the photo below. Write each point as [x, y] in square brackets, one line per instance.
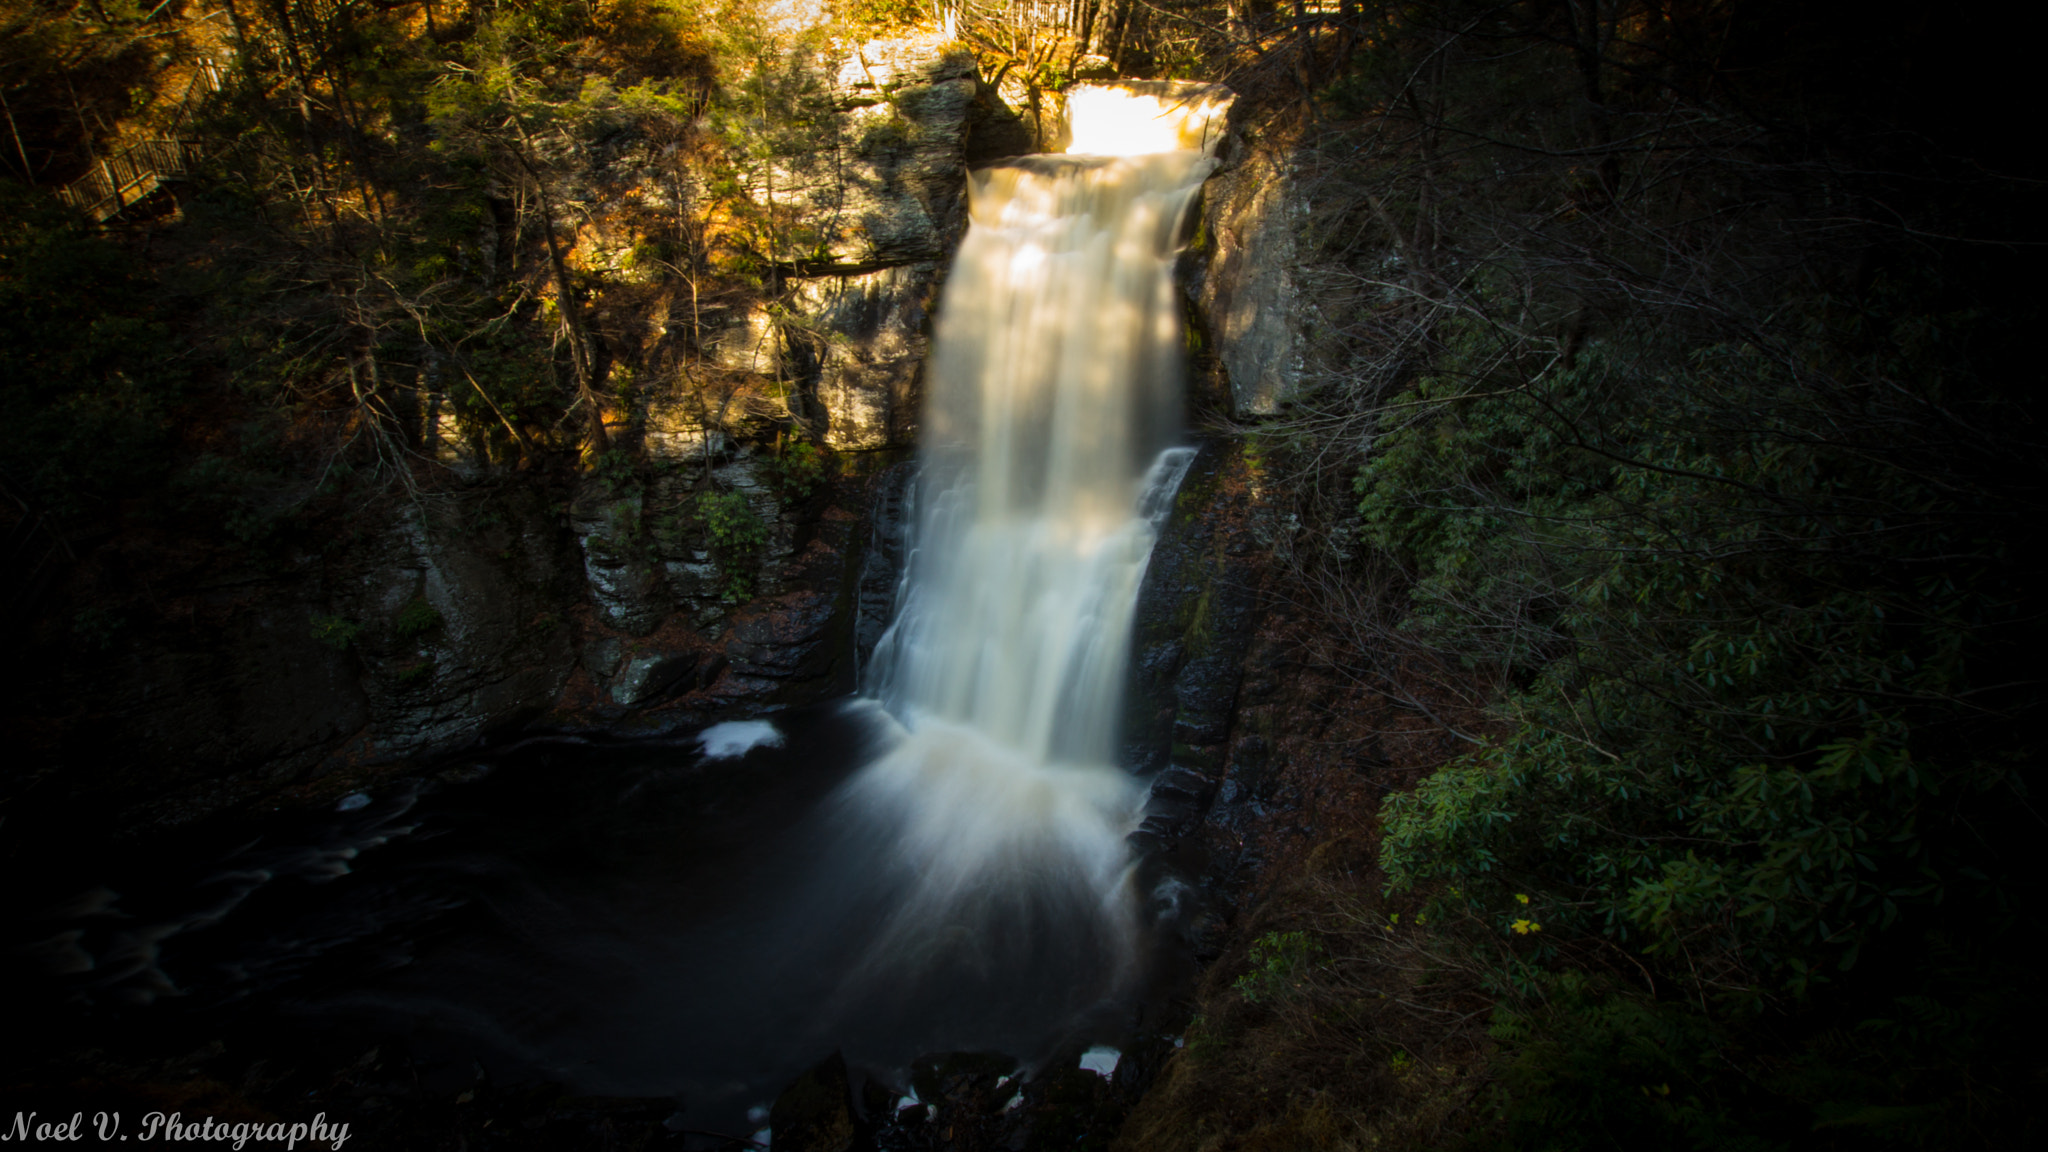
[1054, 389]
[705, 920]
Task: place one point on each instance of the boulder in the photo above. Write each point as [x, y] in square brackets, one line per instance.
[788, 639]
[650, 677]
[816, 1113]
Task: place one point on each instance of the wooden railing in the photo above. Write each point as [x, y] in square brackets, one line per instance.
[127, 176]
[134, 172]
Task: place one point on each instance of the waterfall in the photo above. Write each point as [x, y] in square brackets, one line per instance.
[1047, 466]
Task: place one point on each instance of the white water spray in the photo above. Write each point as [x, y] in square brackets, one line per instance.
[1054, 390]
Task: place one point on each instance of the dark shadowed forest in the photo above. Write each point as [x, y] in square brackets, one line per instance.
[1650, 753]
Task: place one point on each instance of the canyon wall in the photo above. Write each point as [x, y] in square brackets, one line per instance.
[187, 680]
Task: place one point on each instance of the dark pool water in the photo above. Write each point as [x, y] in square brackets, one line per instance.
[632, 919]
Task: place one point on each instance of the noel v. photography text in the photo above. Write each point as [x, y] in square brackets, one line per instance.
[111, 1127]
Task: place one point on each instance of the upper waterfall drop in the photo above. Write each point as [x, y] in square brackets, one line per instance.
[1054, 387]
[1135, 119]
[1052, 406]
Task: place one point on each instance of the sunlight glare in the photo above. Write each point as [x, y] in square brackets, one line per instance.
[1115, 122]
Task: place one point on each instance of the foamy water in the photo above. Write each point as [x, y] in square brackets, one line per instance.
[1052, 404]
[736, 738]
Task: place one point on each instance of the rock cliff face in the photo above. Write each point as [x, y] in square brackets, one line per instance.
[702, 574]
[1240, 270]
[453, 603]
[869, 216]
[683, 624]
[884, 202]
[687, 615]
[864, 364]
[1197, 610]
[1241, 278]
[223, 676]
[707, 576]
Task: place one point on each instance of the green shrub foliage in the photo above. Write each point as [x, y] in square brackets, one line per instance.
[1669, 419]
[736, 535]
[1748, 664]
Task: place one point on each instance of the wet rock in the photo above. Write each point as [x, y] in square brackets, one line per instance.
[1245, 783]
[963, 1080]
[779, 643]
[1184, 784]
[1177, 800]
[458, 627]
[792, 649]
[1206, 691]
[1242, 282]
[601, 653]
[1194, 619]
[890, 524]
[1068, 1106]
[877, 1102]
[816, 1113]
[983, 1102]
[624, 583]
[645, 679]
[970, 1104]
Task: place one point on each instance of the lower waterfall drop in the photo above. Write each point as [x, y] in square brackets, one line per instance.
[1053, 397]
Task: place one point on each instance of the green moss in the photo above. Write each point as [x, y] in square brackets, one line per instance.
[1197, 630]
[334, 631]
[416, 619]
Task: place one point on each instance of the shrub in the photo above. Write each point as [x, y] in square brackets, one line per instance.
[1735, 740]
[1278, 960]
[730, 522]
[798, 468]
[736, 535]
